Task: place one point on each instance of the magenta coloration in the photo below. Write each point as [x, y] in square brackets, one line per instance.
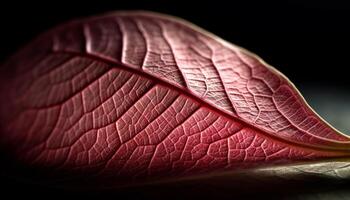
[140, 95]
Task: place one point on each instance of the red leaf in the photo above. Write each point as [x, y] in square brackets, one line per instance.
[144, 95]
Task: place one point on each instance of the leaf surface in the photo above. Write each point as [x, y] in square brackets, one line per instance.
[138, 95]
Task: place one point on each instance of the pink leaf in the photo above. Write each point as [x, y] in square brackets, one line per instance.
[142, 95]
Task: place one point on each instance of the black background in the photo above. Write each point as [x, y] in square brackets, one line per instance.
[309, 41]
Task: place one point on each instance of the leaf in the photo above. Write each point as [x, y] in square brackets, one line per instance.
[142, 96]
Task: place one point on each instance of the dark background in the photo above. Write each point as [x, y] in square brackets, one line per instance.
[309, 41]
